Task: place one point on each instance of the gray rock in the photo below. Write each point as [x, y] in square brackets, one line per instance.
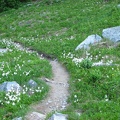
[20, 118]
[32, 83]
[35, 116]
[112, 34]
[8, 86]
[58, 116]
[89, 40]
[118, 5]
[3, 50]
[2, 86]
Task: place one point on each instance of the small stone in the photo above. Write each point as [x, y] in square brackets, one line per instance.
[118, 5]
[3, 50]
[58, 116]
[35, 116]
[20, 118]
[32, 83]
[63, 106]
[49, 101]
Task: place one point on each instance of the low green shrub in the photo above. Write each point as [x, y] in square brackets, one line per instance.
[86, 63]
[7, 4]
[12, 3]
[2, 5]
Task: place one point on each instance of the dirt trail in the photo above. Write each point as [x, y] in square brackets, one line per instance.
[58, 94]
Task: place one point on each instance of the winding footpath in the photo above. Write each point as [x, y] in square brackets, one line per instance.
[58, 94]
[57, 98]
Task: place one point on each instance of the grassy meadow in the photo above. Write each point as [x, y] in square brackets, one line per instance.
[56, 29]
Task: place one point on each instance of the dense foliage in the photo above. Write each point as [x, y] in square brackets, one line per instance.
[7, 4]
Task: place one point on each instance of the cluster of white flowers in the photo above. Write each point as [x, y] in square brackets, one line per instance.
[7, 71]
[77, 61]
[104, 60]
[6, 42]
[31, 40]
[69, 55]
[31, 91]
[14, 96]
[106, 98]
[109, 62]
[6, 68]
[28, 39]
[11, 97]
[71, 38]
[75, 98]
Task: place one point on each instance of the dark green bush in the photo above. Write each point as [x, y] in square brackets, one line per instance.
[2, 5]
[6, 4]
[12, 3]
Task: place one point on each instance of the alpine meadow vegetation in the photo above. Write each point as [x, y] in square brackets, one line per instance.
[56, 29]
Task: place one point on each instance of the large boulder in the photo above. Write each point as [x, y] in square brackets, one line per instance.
[112, 34]
[10, 86]
[92, 39]
[58, 116]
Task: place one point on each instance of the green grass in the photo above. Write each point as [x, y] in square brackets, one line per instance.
[56, 30]
[21, 66]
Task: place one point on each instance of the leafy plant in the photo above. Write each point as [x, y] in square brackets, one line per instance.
[86, 63]
[94, 76]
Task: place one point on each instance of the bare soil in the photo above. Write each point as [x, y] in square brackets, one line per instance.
[57, 97]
